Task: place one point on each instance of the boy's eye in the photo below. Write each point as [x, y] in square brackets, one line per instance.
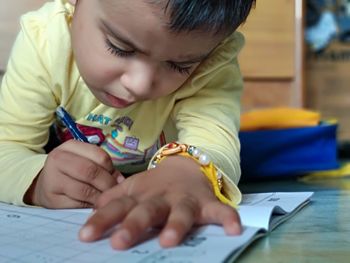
[117, 51]
[114, 50]
[182, 70]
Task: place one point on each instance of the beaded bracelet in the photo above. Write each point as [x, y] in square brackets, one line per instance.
[207, 166]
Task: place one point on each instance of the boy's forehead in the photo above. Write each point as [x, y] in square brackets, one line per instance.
[144, 24]
[159, 4]
[157, 9]
[136, 6]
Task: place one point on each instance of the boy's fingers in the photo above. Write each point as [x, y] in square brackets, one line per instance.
[95, 154]
[180, 221]
[89, 151]
[79, 191]
[221, 214]
[105, 218]
[144, 216]
[64, 202]
[116, 192]
[85, 170]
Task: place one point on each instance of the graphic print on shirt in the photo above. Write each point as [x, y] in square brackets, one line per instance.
[116, 140]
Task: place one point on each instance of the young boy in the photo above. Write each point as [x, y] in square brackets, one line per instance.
[135, 75]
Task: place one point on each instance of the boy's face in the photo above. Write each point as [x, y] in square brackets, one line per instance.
[126, 54]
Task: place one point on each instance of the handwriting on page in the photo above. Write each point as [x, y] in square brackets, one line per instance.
[275, 199]
[253, 199]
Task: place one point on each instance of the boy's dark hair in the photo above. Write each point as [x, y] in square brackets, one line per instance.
[217, 16]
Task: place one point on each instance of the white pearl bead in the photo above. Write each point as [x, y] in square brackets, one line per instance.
[219, 175]
[204, 159]
[196, 153]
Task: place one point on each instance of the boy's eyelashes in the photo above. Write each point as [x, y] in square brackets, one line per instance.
[181, 70]
[114, 50]
[118, 51]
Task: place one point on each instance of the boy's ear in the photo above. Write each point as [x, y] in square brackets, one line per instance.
[73, 2]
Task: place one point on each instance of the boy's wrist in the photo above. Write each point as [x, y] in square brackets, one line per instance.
[206, 166]
[184, 169]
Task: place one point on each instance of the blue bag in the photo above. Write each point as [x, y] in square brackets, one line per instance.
[288, 152]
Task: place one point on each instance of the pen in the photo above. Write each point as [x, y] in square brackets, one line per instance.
[70, 124]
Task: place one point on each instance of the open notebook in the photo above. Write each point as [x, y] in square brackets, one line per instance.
[41, 235]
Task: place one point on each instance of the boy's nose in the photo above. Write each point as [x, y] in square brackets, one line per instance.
[139, 79]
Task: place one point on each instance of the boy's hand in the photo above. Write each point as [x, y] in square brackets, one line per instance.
[175, 195]
[74, 176]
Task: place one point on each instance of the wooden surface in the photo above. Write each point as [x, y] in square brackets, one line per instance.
[328, 78]
[272, 59]
[269, 92]
[270, 40]
[320, 232]
[10, 12]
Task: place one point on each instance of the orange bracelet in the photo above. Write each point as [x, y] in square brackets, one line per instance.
[207, 166]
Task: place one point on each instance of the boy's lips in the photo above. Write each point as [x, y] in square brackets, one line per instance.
[117, 102]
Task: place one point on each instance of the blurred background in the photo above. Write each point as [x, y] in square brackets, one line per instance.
[298, 55]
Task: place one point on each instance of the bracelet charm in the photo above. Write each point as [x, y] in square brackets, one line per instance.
[183, 149]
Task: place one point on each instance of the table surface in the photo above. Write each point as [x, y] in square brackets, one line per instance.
[320, 232]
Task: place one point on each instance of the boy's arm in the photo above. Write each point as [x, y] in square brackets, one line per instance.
[26, 108]
[210, 118]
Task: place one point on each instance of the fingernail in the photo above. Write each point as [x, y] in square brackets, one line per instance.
[170, 235]
[86, 233]
[124, 235]
[120, 179]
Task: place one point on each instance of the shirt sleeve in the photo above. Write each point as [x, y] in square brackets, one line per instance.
[209, 119]
[26, 108]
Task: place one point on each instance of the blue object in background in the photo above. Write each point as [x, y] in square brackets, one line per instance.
[288, 152]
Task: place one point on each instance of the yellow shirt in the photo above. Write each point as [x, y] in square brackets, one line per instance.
[42, 74]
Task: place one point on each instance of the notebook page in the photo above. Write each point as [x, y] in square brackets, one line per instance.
[258, 209]
[41, 235]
